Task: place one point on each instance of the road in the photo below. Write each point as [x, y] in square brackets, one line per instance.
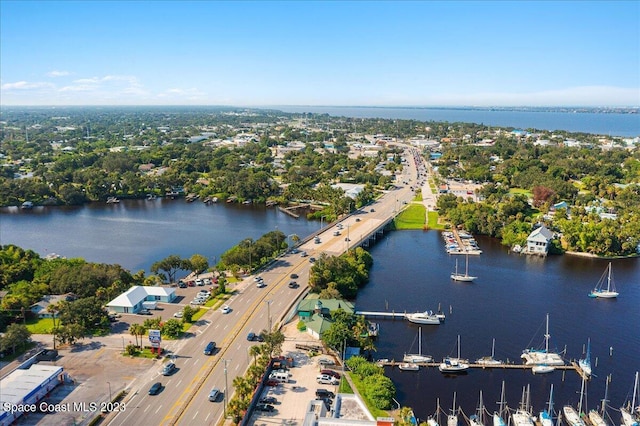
[184, 396]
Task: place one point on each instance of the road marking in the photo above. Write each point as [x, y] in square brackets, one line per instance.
[207, 418]
[178, 384]
[97, 354]
[195, 415]
[145, 410]
[159, 407]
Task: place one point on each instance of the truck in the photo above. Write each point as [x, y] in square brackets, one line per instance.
[150, 305]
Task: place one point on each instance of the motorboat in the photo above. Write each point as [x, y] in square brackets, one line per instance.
[426, 317]
[605, 288]
[408, 366]
[542, 369]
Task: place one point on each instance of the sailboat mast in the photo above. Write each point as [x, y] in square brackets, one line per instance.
[458, 346]
[581, 397]
[609, 278]
[606, 392]
[551, 402]
[546, 337]
[635, 391]
[493, 348]
[419, 340]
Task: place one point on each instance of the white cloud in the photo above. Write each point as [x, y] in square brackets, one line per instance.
[26, 85]
[56, 73]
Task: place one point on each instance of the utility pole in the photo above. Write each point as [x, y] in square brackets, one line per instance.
[226, 387]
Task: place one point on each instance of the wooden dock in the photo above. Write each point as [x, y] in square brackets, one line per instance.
[391, 314]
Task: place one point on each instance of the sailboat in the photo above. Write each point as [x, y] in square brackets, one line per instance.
[542, 356]
[629, 417]
[571, 416]
[418, 357]
[608, 292]
[522, 417]
[490, 360]
[408, 366]
[462, 277]
[454, 365]
[497, 416]
[598, 418]
[477, 419]
[431, 421]
[546, 416]
[585, 363]
[452, 419]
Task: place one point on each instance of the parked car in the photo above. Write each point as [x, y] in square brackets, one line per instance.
[144, 312]
[155, 388]
[272, 382]
[264, 407]
[182, 284]
[326, 361]
[168, 369]
[210, 348]
[178, 314]
[199, 282]
[191, 283]
[207, 281]
[268, 400]
[204, 293]
[323, 393]
[330, 373]
[214, 395]
[225, 309]
[325, 379]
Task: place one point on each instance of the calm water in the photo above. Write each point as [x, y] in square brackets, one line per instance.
[508, 302]
[601, 124]
[137, 233]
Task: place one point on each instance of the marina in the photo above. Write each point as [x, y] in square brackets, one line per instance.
[460, 242]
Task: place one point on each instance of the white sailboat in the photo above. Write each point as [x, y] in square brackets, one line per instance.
[542, 356]
[462, 277]
[490, 360]
[571, 416]
[454, 365]
[452, 419]
[431, 421]
[497, 415]
[598, 418]
[546, 416]
[522, 417]
[478, 418]
[629, 416]
[585, 363]
[608, 292]
[418, 357]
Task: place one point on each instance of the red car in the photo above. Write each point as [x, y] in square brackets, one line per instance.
[330, 373]
[272, 383]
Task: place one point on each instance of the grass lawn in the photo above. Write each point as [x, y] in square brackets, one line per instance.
[345, 387]
[433, 221]
[418, 196]
[413, 217]
[40, 326]
[375, 412]
[521, 191]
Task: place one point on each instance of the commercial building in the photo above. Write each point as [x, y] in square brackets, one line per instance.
[132, 300]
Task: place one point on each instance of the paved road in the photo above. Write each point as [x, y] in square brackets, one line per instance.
[184, 397]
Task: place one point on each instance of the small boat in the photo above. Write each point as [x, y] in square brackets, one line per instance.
[585, 363]
[571, 416]
[522, 417]
[151, 197]
[608, 292]
[542, 369]
[490, 360]
[629, 416]
[413, 358]
[497, 415]
[27, 205]
[112, 200]
[454, 365]
[542, 356]
[463, 277]
[408, 366]
[546, 416]
[381, 362]
[426, 317]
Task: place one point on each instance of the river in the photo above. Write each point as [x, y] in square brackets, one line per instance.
[508, 302]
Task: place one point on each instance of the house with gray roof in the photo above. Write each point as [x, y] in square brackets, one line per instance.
[131, 301]
[538, 241]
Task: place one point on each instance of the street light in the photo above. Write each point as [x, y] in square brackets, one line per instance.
[110, 399]
[226, 386]
[268, 302]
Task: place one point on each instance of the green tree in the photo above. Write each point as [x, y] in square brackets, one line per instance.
[16, 335]
[170, 265]
[172, 328]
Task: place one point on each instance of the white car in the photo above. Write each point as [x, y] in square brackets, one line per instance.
[325, 379]
[225, 309]
[257, 278]
[178, 314]
[203, 293]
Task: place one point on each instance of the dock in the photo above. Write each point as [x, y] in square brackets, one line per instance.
[391, 314]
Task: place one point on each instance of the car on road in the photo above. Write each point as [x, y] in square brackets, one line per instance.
[304, 254]
[225, 309]
[312, 259]
[155, 388]
[257, 278]
[214, 394]
[372, 210]
[294, 275]
[336, 233]
[261, 284]
[210, 348]
[316, 240]
[357, 219]
[265, 407]
[268, 400]
[251, 336]
[178, 314]
[168, 369]
[293, 284]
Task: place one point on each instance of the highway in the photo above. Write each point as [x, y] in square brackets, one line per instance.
[183, 399]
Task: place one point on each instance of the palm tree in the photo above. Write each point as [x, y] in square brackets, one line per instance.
[254, 351]
[53, 309]
[242, 386]
[133, 330]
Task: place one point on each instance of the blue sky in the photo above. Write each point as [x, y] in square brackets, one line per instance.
[260, 53]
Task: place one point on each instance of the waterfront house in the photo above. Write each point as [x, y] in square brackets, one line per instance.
[40, 308]
[132, 300]
[538, 241]
[309, 306]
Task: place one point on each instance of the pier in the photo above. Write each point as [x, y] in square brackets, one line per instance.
[391, 314]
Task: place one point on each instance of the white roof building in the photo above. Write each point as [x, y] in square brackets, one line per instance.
[538, 241]
[131, 301]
